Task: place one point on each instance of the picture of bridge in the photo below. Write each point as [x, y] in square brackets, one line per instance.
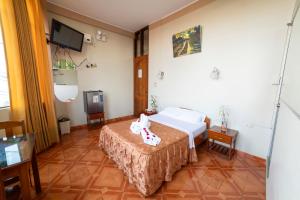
[187, 42]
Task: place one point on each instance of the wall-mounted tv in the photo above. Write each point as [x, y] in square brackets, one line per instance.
[65, 36]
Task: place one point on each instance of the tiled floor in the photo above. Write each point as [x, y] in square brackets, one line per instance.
[78, 169]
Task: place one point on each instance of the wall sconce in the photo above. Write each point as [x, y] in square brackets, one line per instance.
[161, 75]
[101, 36]
[215, 74]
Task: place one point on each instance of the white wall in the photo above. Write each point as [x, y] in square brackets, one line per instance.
[114, 74]
[244, 39]
[4, 116]
[283, 182]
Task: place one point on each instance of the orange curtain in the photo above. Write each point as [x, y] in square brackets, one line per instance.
[29, 72]
[36, 18]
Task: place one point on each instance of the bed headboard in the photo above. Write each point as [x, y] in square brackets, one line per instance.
[207, 120]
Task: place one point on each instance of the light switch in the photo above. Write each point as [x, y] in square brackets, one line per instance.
[140, 73]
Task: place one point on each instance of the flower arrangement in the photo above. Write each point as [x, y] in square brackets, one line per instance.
[153, 103]
[64, 64]
[223, 117]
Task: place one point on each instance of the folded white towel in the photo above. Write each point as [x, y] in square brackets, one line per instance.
[149, 137]
[136, 127]
[144, 120]
[141, 126]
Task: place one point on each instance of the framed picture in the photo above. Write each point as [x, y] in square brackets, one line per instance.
[187, 42]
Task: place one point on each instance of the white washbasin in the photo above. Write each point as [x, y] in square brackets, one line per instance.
[65, 93]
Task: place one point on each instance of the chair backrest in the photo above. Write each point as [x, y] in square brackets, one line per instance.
[9, 125]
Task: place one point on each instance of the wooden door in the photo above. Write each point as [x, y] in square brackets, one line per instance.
[140, 84]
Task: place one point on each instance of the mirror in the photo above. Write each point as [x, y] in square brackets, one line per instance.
[65, 84]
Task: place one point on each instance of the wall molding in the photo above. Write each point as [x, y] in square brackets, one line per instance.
[186, 10]
[53, 8]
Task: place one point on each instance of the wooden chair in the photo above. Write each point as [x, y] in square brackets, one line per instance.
[10, 125]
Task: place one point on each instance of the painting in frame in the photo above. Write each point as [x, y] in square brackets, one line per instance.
[187, 42]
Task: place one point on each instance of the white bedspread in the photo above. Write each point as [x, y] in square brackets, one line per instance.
[192, 129]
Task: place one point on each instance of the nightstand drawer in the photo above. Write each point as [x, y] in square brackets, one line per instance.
[219, 137]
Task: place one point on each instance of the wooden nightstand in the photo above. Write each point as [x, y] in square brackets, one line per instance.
[148, 113]
[228, 137]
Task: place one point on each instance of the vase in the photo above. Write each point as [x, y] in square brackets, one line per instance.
[224, 126]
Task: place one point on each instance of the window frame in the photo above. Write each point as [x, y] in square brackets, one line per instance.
[5, 60]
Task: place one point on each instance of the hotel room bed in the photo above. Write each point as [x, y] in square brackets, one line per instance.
[148, 166]
[193, 130]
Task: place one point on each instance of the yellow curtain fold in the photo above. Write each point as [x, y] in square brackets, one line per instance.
[29, 73]
[36, 18]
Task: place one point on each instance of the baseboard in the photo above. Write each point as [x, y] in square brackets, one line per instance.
[78, 127]
[118, 119]
[244, 154]
[109, 121]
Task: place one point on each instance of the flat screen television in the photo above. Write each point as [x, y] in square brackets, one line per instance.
[65, 36]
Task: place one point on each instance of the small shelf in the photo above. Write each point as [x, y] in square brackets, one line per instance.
[55, 69]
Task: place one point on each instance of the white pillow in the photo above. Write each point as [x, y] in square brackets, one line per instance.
[184, 114]
[171, 112]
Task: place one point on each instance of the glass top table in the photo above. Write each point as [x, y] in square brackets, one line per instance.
[14, 151]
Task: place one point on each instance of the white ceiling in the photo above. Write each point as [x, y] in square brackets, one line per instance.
[130, 15]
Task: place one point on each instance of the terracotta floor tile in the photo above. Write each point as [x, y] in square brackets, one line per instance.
[78, 176]
[261, 174]
[213, 181]
[93, 155]
[254, 162]
[69, 154]
[109, 177]
[246, 181]
[182, 197]
[130, 187]
[98, 195]
[221, 197]
[233, 163]
[51, 170]
[182, 183]
[61, 195]
[78, 169]
[137, 196]
[204, 160]
[83, 141]
[50, 152]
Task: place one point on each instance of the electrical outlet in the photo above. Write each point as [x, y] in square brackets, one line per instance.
[91, 65]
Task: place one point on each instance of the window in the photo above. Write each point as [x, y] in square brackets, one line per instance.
[4, 93]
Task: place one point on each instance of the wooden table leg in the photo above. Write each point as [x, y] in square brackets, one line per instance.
[234, 142]
[208, 144]
[2, 189]
[35, 172]
[230, 151]
[24, 180]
